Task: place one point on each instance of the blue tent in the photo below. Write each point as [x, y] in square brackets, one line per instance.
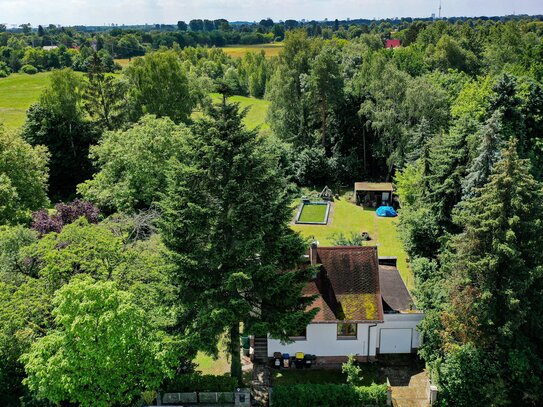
[386, 211]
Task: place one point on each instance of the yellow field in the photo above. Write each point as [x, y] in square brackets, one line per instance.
[238, 51]
[123, 62]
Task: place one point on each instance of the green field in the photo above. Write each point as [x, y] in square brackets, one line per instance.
[346, 218]
[258, 108]
[17, 92]
[238, 51]
[313, 213]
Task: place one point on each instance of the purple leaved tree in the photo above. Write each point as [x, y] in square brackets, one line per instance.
[65, 214]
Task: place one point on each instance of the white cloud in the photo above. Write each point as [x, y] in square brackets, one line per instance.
[70, 12]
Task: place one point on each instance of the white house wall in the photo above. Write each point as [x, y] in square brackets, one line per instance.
[321, 340]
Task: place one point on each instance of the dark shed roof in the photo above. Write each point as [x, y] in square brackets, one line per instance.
[395, 295]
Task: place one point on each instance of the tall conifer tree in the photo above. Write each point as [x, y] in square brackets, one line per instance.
[225, 219]
[496, 302]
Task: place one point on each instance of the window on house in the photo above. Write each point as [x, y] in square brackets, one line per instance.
[346, 330]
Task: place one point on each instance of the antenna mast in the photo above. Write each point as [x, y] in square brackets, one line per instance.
[440, 9]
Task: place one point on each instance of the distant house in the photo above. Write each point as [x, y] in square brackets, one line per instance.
[364, 307]
[393, 44]
[49, 47]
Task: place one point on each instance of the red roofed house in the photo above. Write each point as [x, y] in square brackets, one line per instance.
[364, 306]
[393, 44]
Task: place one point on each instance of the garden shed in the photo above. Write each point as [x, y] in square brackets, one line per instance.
[373, 193]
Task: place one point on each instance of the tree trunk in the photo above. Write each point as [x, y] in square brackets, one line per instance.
[235, 366]
[324, 129]
[364, 143]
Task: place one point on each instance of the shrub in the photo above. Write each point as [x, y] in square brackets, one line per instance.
[329, 395]
[200, 383]
[312, 167]
[65, 214]
[4, 70]
[29, 69]
[353, 371]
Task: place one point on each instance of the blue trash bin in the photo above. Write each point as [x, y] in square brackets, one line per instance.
[286, 360]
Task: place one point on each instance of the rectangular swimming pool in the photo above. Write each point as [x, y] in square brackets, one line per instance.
[315, 213]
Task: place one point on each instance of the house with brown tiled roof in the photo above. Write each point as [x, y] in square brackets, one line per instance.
[364, 308]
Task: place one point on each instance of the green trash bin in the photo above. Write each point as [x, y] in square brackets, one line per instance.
[245, 343]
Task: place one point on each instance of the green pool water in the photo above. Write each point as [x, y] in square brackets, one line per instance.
[313, 213]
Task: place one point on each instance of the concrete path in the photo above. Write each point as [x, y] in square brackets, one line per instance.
[412, 395]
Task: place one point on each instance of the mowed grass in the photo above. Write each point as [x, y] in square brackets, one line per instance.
[349, 218]
[17, 92]
[256, 113]
[238, 51]
[313, 213]
[208, 365]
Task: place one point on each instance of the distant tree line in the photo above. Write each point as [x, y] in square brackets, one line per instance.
[131, 41]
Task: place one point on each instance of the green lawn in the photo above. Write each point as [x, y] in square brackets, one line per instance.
[347, 218]
[256, 115]
[313, 213]
[17, 92]
[208, 365]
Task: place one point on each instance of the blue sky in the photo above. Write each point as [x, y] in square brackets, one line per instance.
[99, 12]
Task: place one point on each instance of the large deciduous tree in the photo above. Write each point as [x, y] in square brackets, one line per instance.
[225, 220]
[159, 86]
[102, 352]
[31, 270]
[23, 178]
[132, 164]
[57, 121]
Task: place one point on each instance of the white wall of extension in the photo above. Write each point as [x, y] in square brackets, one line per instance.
[398, 327]
[321, 339]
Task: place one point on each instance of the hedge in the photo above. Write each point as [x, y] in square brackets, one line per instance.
[329, 395]
[200, 383]
[29, 69]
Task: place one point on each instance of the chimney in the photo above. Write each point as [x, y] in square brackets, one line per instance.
[313, 252]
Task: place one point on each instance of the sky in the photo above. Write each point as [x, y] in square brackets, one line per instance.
[101, 12]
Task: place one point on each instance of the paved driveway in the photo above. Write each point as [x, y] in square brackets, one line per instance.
[412, 395]
[408, 380]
